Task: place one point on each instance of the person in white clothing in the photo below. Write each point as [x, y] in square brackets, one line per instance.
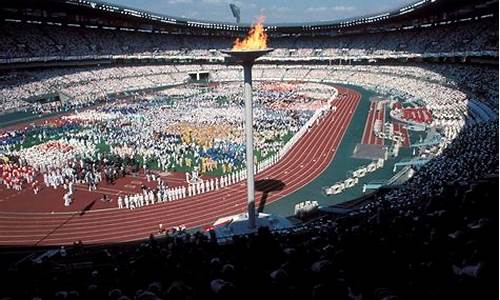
[151, 197]
[67, 199]
[126, 200]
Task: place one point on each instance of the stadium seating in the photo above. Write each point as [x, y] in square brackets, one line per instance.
[42, 41]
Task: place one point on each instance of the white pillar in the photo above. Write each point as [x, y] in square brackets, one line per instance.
[247, 72]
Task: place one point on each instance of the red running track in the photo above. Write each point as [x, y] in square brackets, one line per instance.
[51, 200]
[373, 115]
[303, 163]
[401, 129]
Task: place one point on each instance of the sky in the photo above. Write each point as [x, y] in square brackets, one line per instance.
[275, 11]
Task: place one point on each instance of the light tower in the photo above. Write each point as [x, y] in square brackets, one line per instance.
[246, 58]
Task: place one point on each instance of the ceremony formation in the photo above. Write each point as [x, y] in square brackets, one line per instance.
[177, 130]
[214, 149]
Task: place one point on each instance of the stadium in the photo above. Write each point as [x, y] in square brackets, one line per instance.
[150, 156]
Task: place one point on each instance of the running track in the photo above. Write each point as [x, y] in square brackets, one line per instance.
[303, 163]
[373, 115]
[399, 128]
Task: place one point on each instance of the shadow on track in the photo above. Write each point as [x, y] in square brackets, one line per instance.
[81, 213]
[267, 186]
[87, 208]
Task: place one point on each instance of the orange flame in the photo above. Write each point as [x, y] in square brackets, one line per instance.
[255, 39]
